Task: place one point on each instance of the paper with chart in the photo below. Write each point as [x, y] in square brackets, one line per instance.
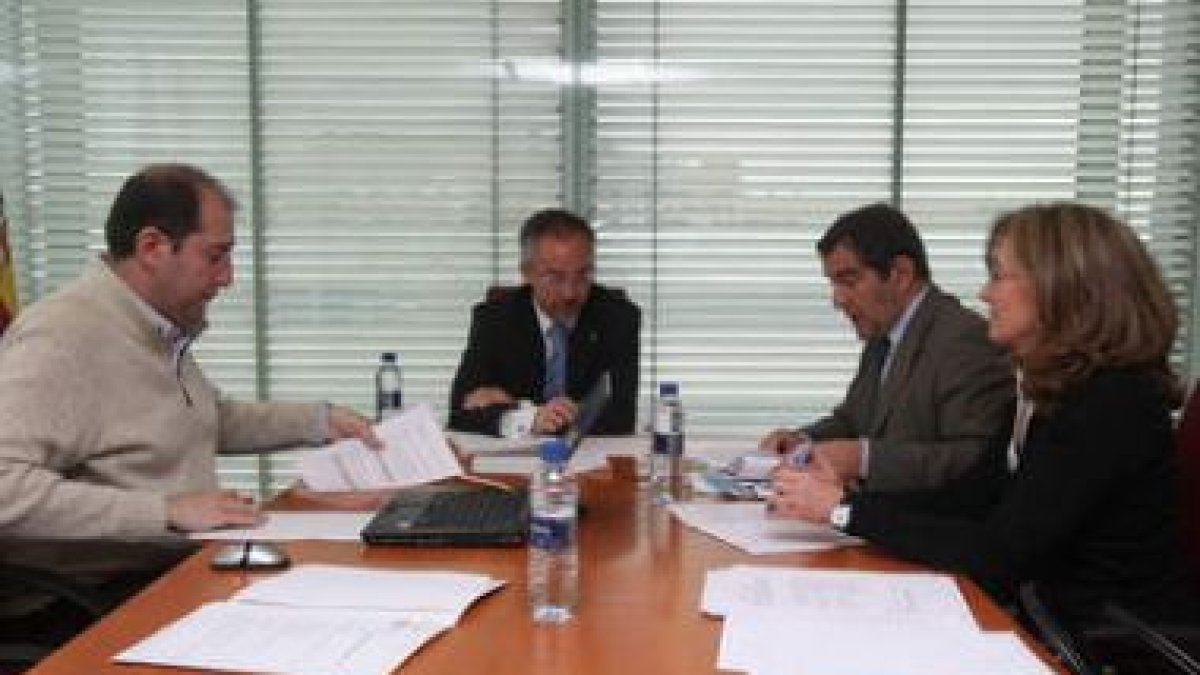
[415, 452]
[317, 619]
[748, 527]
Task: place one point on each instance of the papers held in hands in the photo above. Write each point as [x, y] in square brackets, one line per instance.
[414, 452]
[746, 477]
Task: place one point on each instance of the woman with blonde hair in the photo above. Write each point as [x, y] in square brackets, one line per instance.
[1082, 498]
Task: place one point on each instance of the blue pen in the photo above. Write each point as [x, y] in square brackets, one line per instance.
[802, 455]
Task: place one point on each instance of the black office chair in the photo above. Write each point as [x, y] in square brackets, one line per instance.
[24, 644]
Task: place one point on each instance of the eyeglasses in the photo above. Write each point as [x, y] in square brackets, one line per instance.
[574, 280]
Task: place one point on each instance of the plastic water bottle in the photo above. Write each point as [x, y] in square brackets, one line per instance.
[553, 547]
[666, 456]
[388, 398]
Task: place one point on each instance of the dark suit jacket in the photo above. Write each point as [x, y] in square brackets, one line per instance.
[506, 349]
[1091, 512]
[948, 391]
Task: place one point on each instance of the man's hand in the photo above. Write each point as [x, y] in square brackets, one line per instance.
[782, 441]
[345, 423]
[839, 460]
[554, 416]
[484, 397]
[803, 494]
[199, 511]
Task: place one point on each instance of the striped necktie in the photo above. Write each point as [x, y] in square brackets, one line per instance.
[556, 362]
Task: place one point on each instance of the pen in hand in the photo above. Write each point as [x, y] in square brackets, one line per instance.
[801, 455]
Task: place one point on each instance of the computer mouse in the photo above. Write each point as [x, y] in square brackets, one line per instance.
[245, 555]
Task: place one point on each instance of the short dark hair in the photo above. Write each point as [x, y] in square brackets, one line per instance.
[878, 234]
[165, 196]
[552, 222]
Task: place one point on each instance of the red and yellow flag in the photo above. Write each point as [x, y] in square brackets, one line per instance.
[8, 280]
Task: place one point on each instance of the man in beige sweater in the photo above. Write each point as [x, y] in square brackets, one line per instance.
[109, 430]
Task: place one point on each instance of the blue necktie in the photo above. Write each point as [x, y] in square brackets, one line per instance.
[556, 362]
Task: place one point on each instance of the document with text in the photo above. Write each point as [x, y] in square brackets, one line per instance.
[270, 639]
[748, 527]
[318, 619]
[780, 642]
[415, 452]
[898, 597]
[430, 596]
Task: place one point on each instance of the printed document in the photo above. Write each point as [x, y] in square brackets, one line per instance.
[430, 596]
[747, 526]
[317, 619]
[267, 639]
[415, 452]
[902, 598]
[776, 642]
[782, 620]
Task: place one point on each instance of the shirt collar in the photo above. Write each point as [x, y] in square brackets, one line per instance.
[545, 323]
[896, 334]
[174, 338]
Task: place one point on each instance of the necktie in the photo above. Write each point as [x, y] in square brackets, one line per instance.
[882, 349]
[556, 362]
[874, 358]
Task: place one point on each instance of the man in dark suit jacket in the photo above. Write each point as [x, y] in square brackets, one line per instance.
[931, 391]
[505, 383]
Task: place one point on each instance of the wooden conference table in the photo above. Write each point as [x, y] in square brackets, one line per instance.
[641, 575]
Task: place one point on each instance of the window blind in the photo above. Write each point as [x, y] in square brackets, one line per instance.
[104, 89]
[716, 176]
[385, 153]
[400, 152]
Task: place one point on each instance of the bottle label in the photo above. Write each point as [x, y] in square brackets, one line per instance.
[549, 533]
[389, 400]
[668, 444]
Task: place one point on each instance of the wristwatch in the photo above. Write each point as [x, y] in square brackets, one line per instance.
[839, 516]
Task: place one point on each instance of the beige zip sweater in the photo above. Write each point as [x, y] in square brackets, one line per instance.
[98, 428]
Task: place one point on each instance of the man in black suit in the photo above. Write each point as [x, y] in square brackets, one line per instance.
[535, 350]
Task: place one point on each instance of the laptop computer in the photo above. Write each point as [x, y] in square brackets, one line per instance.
[465, 514]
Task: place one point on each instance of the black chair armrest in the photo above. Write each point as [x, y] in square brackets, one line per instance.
[1158, 639]
[1052, 632]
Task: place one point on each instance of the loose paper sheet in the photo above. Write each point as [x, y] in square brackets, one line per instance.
[747, 526]
[415, 452]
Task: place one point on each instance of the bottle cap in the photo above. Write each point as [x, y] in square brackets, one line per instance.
[554, 450]
[388, 357]
[668, 389]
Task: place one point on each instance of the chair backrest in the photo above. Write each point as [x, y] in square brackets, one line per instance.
[1187, 448]
[499, 293]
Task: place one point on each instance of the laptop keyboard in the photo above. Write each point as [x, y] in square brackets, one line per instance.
[475, 510]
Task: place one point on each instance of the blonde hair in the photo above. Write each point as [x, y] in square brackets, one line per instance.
[1101, 300]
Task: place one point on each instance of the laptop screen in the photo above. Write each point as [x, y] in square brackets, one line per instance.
[590, 409]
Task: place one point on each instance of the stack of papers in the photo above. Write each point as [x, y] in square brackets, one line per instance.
[415, 452]
[781, 621]
[317, 619]
[748, 527]
[520, 455]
